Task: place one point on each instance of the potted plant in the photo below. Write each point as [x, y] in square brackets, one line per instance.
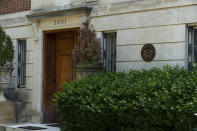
[87, 53]
[6, 59]
[7, 113]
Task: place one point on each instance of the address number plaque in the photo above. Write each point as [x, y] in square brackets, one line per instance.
[60, 21]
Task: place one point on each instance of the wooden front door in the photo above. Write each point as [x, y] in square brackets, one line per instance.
[64, 64]
[58, 69]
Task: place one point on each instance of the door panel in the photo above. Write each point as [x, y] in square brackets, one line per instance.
[64, 64]
[64, 70]
[49, 71]
[62, 47]
[58, 68]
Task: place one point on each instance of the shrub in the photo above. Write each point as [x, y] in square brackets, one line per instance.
[88, 49]
[147, 100]
[6, 49]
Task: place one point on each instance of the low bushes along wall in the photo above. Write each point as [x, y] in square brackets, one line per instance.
[147, 100]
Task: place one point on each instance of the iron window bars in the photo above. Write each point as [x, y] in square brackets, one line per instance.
[109, 51]
[21, 74]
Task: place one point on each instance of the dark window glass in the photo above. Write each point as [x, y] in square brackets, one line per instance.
[195, 46]
[21, 76]
[109, 51]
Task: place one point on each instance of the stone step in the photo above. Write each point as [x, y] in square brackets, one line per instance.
[7, 128]
[28, 127]
[15, 129]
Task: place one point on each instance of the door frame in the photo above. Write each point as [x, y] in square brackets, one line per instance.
[44, 64]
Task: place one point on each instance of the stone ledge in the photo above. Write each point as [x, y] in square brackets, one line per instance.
[15, 127]
[59, 11]
[132, 6]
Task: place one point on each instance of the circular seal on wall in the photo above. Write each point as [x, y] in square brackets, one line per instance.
[148, 52]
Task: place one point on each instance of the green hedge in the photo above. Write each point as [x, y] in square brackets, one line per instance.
[6, 49]
[147, 100]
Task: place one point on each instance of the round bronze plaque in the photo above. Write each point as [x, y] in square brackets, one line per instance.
[148, 52]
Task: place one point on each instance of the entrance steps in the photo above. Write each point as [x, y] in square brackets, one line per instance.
[28, 127]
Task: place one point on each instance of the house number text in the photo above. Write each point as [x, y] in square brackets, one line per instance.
[60, 22]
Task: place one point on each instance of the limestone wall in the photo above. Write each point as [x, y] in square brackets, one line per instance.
[159, 22]
[37, 5]
[18, 27]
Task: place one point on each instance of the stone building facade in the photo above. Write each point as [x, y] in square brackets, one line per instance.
[169, 25]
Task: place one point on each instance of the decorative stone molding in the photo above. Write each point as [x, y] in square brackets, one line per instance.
[35, 28]
[148, 52]
[61, 11]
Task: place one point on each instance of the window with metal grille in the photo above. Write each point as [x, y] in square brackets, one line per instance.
[21, 64]
[109, 51]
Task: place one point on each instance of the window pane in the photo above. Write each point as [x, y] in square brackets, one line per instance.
[195, 46]
[109, 51]
[21, 78]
